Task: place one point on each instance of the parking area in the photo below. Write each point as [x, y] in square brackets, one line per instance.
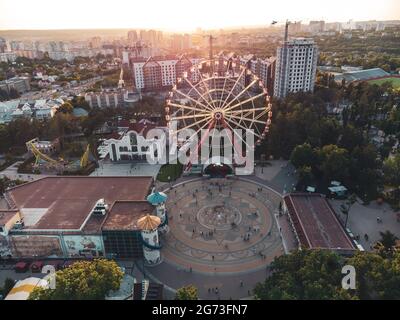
[363, 220]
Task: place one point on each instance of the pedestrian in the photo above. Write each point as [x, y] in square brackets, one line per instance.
[209, 290]
[212, 257]
[216, 290]
[241, 283]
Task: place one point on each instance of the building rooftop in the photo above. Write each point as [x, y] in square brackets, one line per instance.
[124, 215]
[316, 223]
[361, 75]
[64, 203]
[149, 222]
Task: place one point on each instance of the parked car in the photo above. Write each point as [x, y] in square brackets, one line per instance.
[37, 266]
[21, 267]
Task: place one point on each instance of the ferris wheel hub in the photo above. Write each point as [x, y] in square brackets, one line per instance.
[218, 114]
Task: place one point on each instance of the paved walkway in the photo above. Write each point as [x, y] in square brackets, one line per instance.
[362, 220]
[222, 232]
[279, 174]
[12, 173]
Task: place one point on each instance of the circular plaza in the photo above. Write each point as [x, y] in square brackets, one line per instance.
[221, 226]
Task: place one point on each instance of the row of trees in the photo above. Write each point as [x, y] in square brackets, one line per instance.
[317, 275]
[358, 169]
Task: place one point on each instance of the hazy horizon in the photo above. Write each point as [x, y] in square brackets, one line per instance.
[178, 15]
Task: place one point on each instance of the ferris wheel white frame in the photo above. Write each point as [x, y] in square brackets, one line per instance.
[231, 107]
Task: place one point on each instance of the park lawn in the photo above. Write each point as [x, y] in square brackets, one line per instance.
[169, 170]
[395, 82]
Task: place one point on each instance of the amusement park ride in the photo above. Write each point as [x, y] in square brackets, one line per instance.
[219, 93]
[60, 165]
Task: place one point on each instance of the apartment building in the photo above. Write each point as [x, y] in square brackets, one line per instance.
[157, 73]
[296, 67]
[21, 84]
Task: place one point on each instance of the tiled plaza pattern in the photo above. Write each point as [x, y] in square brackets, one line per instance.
[221, 226]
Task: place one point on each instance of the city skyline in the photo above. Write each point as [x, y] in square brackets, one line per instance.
[176, 15]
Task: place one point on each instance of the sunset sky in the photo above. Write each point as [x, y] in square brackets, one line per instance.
[184, 15]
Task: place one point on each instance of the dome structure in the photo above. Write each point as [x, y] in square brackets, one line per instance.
[148, 222]
[157, 198]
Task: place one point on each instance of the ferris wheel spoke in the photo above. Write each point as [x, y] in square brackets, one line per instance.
[245, 119]
[234, 85]
[240, 94]
[182, 106]
[260, 114]
[245, 110]
[208, 123]
[239, 125]
[193, 124]
[191, 99]
[243, 102]
[193, 116]
[235, 133]
[207, 88]
[250, 111]
[197, 91]
[222, 93]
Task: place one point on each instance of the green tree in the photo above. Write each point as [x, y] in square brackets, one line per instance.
[5, 141]
[303, 155]
[83, 280]
[388, 240]
[334, 163]
[304, 274]
[377, 276]
[186, 293]
[305, 175]
[66, 107]
[14, 94]
[80, 102]
[391, 170]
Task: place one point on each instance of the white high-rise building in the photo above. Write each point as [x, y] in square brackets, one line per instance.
[296, 67]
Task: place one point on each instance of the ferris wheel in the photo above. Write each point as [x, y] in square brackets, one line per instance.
[219, 93]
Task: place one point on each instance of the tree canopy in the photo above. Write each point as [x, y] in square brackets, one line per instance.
[304, 275]
[316, 274]
[83, 280]
[187, 293]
